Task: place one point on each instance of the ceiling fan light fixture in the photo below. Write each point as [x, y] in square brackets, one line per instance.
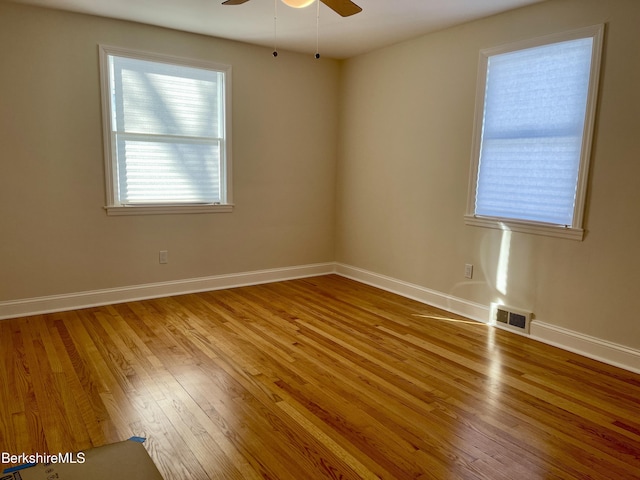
[298, 3]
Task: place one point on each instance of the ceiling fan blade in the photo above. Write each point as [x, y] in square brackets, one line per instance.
[344, 8]
[234, 2]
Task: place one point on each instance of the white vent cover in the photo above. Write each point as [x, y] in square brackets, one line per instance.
[510, 318]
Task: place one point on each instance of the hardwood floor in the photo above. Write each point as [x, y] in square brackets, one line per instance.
[312, 379]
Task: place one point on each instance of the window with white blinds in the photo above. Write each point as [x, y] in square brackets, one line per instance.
[166, 137]
[532, 140]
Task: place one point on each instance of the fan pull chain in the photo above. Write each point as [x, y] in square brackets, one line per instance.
[275, 28]
[318, 29]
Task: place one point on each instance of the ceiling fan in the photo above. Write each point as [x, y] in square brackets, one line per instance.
[344, 8]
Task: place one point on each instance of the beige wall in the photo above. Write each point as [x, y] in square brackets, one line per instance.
[55, 237]
[407, 118]
[398, 190]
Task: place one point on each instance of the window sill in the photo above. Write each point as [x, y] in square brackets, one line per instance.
[535, 228]
[167, 209]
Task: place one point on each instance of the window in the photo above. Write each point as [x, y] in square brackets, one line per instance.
[166, 138]
[535, 111]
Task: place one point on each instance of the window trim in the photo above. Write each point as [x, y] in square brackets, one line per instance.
[113, 205]
[574, 231]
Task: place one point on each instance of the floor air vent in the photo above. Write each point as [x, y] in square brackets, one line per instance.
[511, 318]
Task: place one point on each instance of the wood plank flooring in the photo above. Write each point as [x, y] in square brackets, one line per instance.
[313, 379]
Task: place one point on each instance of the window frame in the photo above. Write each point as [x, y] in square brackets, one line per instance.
[574, 231]
[113, 205]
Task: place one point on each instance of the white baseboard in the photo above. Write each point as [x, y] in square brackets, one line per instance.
[452, 304]
[591, 347]
[73, 301]
[588, 346]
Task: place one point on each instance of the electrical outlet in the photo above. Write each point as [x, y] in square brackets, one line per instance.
[468, 270]
[164, 256]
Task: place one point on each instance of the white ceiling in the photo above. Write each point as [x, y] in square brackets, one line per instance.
[381, 23]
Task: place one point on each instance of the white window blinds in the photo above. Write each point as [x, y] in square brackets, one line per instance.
[532, 134]
[167, 125]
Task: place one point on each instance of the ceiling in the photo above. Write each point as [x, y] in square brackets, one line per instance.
[381, 23]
